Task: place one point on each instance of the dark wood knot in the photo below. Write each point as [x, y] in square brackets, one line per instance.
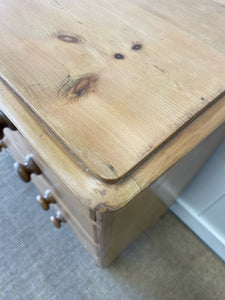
[68, 38]
[137, 47]
[119, 56]
[82, 85]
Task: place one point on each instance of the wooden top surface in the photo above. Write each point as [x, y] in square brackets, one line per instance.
[90, 190]
[113, 80]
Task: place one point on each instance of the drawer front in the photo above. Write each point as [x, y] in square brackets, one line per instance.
[62, 215]
[76, 215]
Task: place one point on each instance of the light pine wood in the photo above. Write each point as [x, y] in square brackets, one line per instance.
[220, 2]
[118, 229]
[204, 19]
[19, 149]
[106, 233]
[169, 186]
[111, 80]
[181, 144]
[78, 221]
[114, 100]
[90, 192]
[112, 231]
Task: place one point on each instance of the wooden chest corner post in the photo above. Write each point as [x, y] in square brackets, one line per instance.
[118, 228]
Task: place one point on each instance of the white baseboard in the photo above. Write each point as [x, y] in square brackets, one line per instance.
[205, 232]
[201, 206]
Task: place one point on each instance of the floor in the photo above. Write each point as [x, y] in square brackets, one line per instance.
[37, 261]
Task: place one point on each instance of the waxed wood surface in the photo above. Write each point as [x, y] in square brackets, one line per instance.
[112, 112]
[91, 192]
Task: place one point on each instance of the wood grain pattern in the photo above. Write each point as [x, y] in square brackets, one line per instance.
[111, 80]
[118, 229]
[100, 218]
[203, 19]
[87, 191]
[18, 148]
[169, 186]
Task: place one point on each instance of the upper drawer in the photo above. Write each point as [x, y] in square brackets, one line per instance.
[19, 148]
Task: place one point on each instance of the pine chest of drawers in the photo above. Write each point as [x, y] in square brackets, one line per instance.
[110, 112]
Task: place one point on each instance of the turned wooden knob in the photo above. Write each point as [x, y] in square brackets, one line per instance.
[57, 219]
[2, 145]
[25, 171]
[45, 200]
[5, 122]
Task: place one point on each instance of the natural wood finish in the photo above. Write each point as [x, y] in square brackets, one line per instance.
[83, 227]
[205, 20]
[121, 81]
[27, 169]
[118, 229]
[91, 246]
[91, 191]
[169, 186]
[76, 214]
[182, 144]
[45, 200]
[129, 99]
[86, 190]
[108, 246]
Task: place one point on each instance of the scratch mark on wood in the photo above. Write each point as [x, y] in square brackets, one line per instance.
[77, 87]
[103, 208]
[112, 169]
[101, 192]
[161, 70]
[144, 153]
[65, 84]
